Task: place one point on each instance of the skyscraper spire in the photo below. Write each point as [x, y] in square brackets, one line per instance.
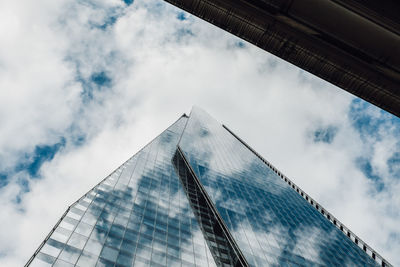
[197, 195]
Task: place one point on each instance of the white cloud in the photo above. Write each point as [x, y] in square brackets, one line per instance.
[159, 67]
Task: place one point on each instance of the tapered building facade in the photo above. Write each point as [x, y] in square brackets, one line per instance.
[197, 195]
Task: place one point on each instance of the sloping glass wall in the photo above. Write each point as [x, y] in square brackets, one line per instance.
[271, 223]
[139, 215]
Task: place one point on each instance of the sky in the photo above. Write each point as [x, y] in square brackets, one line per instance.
[85, 84]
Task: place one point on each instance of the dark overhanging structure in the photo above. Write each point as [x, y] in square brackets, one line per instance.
[353, 44]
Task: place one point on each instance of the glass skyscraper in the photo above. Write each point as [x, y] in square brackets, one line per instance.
[197, 195]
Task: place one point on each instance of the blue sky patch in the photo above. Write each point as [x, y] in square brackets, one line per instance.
[101, 79]
[110, 21]
[96, 81]
[181, 16]
[240, 44]
[366, 168]
[128, 2]
[368, 125]
[360, 119]
[325, 135]
[42, 153]
[373, 126]
[3, 179]
[31, 163]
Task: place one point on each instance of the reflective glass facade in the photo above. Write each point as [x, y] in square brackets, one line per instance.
[139, 216]
[196, 196]
[271, 223]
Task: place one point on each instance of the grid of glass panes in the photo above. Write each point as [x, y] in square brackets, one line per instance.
[223, 251]
[270, 222]
[138, 216]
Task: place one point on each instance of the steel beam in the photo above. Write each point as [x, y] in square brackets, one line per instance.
[354, 44]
